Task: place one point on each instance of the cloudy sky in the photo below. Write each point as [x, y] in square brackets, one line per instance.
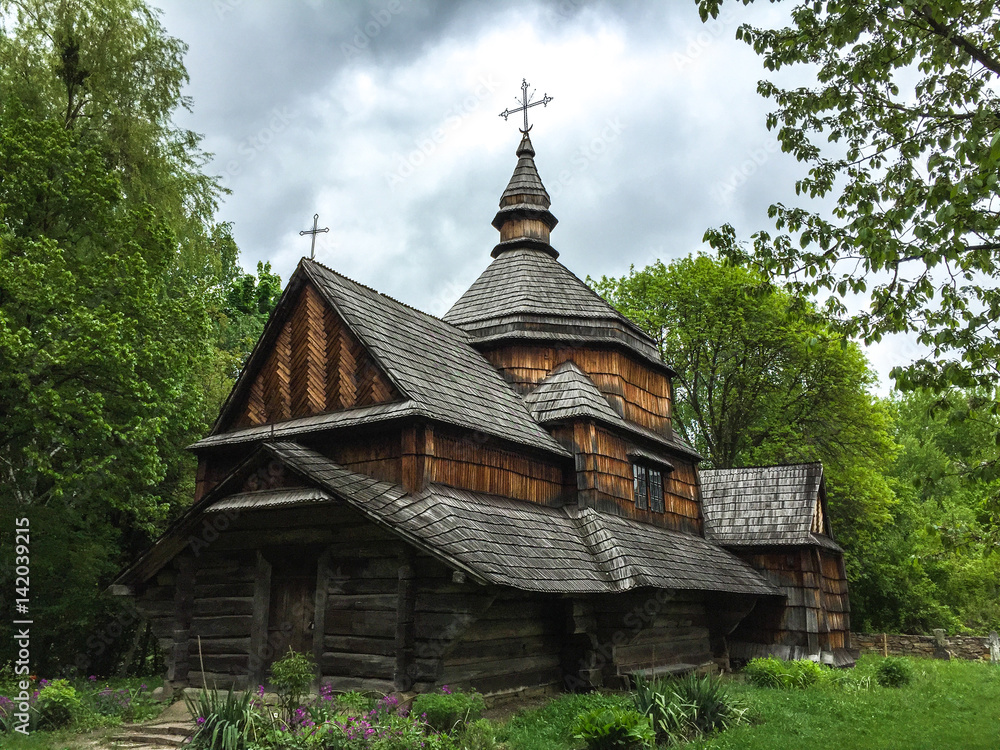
[382, 117]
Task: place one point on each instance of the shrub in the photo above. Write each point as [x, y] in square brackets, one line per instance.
[613, 729]
[682, 709]
[225, 722]
[58, 705]
[448, 709]
[771, 672]
[291, 676]
[894, 672]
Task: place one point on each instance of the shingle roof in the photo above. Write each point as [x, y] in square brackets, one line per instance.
[525, 293]
[525, 180]
[567, 393]
[440, 375]
[533, 547]
[762, 506]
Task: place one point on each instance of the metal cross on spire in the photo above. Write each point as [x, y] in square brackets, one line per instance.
[526, 103]
[314, 231]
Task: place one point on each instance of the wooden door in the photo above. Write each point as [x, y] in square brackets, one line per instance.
[291, 613]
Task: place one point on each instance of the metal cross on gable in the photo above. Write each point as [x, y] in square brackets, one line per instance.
[526, 103]
[314, 231]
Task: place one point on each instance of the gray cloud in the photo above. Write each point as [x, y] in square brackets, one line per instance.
[382, 117]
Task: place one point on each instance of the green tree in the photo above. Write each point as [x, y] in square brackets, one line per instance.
[903, 129]
[761, 379]
[100, 350]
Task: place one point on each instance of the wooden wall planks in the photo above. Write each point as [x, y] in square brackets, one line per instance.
[635, 390]
[316, 365]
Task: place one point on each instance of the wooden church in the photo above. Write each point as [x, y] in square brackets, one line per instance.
[496, 499]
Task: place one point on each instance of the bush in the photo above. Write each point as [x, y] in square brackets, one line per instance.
[291, 676]
[614, 729]
[682, 709]
[771, 672]
[228, 722]
[894, 672]
[448, 709]
[58, 705]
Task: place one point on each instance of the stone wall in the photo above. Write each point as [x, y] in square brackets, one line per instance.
[958, 646]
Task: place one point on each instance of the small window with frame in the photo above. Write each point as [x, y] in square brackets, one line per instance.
[648, 488]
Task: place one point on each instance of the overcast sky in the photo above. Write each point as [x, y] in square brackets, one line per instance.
[382, 117]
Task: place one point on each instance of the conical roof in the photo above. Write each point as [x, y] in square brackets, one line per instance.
[524, 219]
[526, 293]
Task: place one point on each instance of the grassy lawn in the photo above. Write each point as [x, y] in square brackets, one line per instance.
[949, 706]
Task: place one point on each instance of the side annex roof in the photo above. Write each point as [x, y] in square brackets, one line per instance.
[766, 506]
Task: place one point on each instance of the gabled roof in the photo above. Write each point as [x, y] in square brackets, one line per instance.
[527, 294]
[533, 547]
[765, 506]
[439, 375]
[568, 393]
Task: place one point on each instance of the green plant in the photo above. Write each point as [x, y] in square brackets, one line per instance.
[448, 709]
[354, 703]
[58, 705]
[291, 676]
[682, 709]
[614, 729]
[480, 734]
[894, 672]
[225, 722]
[772, 672]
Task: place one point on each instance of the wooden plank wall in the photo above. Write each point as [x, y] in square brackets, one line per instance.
[836, 604]
[605, 481]
[464, 462]
[376, 455]
[816, 615]
[636, 391]
[315, 365]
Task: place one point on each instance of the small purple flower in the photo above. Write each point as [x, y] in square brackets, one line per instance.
[446, 690]
[200, 720]
[93, 678]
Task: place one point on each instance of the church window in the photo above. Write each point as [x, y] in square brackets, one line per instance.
[648, 487]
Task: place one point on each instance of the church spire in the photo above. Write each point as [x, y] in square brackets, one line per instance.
[524, 219]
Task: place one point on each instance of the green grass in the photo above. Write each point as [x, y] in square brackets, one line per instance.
[949, 706]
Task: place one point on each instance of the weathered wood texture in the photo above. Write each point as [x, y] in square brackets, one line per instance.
[468, 463]
[315, 365]
[816, 614]
[605, 480]
[636, 391]
[648, 631]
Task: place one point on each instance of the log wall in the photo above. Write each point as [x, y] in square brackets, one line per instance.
[654, 632]
[636, 391]
[605, 480]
